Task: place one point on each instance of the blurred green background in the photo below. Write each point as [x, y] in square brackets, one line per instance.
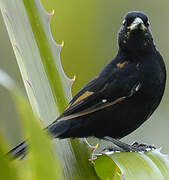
[89, 29]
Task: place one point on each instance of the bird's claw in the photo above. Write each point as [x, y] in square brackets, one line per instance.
[135, 147]
[93, 155]
[93, 148]
[143, 147]
[112, 149]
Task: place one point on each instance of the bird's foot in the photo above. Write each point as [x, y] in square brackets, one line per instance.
[143, 147]
[92, 148]
[135, 147]
[93, 155]
[112, 149]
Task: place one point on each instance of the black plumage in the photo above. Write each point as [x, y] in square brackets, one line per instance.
[123, 95]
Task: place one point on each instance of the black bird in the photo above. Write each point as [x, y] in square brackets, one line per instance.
[122, 96]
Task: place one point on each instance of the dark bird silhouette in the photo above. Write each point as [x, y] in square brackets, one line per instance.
[122, 96]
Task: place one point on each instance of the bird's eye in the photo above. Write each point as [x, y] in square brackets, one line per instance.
[147, 23]
[124, 22]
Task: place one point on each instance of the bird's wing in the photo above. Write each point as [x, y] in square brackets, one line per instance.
[105, 90]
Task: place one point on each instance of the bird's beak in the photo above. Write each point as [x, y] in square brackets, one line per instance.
[137, 24]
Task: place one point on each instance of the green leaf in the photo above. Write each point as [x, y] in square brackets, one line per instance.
[38, 57]
[40, 145]
[7, 169]
[107, 169]
[83, 168]
[47, 86]
[49, 52]
[161, 160]
[133, 166]
[41, 153]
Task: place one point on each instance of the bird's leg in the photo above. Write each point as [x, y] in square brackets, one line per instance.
[93, 148]
[136, 147]
[90, 146]
[122, 145]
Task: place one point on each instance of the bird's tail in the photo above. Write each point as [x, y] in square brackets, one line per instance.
[19, 150]
[57, 130]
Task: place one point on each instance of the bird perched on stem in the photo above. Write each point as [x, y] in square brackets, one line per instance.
[122, 96]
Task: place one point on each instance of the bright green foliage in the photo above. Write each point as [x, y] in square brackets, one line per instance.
[106, 168]
[133, 166]
[39, 19]
[47, 86]
[41, 163]
[7, 169]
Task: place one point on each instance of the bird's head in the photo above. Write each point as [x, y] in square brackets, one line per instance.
[134, 34]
